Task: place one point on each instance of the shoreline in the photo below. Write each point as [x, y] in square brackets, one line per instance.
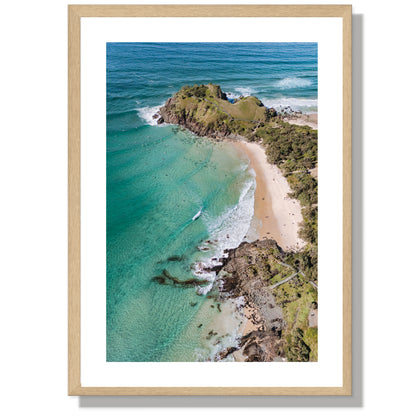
[260, 331]
[280, 215]
[251, 315]
[277, 217]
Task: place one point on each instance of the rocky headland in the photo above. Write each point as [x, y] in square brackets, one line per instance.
[279, 300]
[206, 111]
[279, 286]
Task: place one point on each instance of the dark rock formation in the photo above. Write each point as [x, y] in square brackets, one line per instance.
[167, 279]
[224, 354]
[175, 258]
[238, 280]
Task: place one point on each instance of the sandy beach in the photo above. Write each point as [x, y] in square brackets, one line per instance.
[310, 120]
[279, 214]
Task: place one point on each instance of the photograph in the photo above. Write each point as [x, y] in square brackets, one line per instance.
[212, 202]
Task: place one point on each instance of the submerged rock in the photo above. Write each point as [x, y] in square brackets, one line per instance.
[175, 258]
[167, 279]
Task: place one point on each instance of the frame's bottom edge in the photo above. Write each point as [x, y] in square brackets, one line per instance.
[210, 391]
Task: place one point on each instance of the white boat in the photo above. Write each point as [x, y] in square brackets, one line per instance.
[197, 215]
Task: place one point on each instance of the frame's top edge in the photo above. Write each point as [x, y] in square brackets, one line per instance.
[209, 10]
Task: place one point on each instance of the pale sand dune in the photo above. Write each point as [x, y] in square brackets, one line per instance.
[310, 120]
[279, 214]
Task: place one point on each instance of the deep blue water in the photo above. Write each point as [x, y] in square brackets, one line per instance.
[160, 177]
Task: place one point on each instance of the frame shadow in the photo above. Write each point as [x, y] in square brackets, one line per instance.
[356, 399]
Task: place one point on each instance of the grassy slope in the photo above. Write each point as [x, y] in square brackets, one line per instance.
[207, 106]
[249, 108]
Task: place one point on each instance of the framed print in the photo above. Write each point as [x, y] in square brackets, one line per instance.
[197, 139]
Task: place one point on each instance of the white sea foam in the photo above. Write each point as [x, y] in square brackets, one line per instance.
[199, 271]
[240, 91]
[147, 113]
[245, 91]
[232, 226]
[288, 83]
[232, 95]
[232, 328]
[227, 327]
[226, 231]
[304, 104]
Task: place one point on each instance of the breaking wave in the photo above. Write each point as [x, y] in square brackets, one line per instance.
[288, 83]
[147, 113]
[303, 104]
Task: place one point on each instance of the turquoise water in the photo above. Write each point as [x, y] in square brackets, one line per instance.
[160, 178]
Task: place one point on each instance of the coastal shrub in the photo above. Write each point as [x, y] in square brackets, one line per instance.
[309, 229]
[211, 125]
[311, 339]
[305, 261]
[287, 142]
[288, 166]
[195, 91]
[251, 137]
[264, 133]
[304, 187]
[296, 349]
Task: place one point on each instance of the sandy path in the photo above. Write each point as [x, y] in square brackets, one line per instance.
[279, 214]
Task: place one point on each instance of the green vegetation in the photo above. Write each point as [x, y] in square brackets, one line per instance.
[205, 110]
[296, 349]
[297, 297]
[208, 110]
[195, 91]
[310, 338]
[290, 147]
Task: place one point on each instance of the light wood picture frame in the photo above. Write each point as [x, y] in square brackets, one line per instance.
[78, 12]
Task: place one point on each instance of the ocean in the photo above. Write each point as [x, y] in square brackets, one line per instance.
[176, 201]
